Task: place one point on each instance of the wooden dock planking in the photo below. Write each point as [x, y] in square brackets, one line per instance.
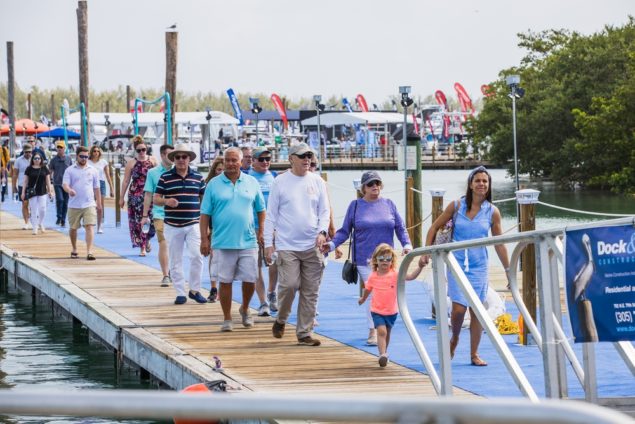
[251, 357]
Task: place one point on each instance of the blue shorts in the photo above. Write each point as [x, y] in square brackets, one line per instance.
[387, 320]
[102, 187]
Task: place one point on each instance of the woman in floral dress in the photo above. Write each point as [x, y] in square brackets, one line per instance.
[133, 182]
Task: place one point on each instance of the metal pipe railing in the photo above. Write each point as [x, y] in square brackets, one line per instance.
[164, 404]
[549, 249]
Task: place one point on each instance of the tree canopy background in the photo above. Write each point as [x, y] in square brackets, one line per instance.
[576, 122]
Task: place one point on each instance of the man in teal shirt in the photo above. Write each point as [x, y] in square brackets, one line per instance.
[228, 208]
[158, 213]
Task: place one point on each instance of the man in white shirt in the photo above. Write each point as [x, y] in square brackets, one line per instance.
[298, 212]
[81, 182]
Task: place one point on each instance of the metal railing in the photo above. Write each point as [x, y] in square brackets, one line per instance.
[548, 247]
[161, 405]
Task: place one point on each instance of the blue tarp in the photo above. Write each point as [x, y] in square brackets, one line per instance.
[59, 133]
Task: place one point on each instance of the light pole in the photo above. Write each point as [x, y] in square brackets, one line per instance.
[256, 109]
[208, 117]
[517, 92]
[406, 101]
[319, 107]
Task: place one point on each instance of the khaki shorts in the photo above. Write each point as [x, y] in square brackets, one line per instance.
[235, 264]
[76, 216]
[158, 229]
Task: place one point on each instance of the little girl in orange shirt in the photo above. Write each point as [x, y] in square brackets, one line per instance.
[382, 282]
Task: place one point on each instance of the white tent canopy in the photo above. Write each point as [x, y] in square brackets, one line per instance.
[153, 118]
[361, 118]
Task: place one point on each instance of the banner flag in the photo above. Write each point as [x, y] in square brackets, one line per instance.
[464, 98]
[139, 106]
[361, 101]
[416, 123]
[441, 99]
[346, 104]
[600, 283]
[234, 102]
[277, 102]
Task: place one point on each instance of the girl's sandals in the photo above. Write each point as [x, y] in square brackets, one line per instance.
[90, 257]
[74, 255]
[478, 362]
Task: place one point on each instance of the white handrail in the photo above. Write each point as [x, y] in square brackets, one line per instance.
[167, 404]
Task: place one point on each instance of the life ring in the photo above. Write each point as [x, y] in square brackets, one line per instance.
[209, 387]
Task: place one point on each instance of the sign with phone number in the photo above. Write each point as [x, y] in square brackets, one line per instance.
[600, 283]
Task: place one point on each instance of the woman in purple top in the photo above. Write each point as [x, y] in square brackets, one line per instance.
[375, 221]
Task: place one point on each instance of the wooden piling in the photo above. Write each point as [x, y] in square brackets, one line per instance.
[128, 99]
[171, 50]
[437, 203]
[117, 195]
[410, 222]
[53, 108]
[29, 108]
[528, 258]
[11, 95]
[82, 33]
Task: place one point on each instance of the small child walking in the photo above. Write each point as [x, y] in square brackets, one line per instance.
[382, 282]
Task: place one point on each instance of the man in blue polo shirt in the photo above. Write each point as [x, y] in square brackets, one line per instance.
[228, 208]
[158, 214]
[180, 191]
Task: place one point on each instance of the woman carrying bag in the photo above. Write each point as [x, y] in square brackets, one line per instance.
[37, 184]
[374, 220]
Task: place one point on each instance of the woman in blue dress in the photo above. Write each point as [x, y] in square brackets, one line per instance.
[474, 217]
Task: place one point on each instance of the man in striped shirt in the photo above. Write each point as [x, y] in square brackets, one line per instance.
[180, 191]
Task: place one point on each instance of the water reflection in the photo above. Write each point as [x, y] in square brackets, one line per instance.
[41, 348]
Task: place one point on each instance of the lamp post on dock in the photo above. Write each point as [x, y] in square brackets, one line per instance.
[517, 92]
[208, 117]
[319, 107]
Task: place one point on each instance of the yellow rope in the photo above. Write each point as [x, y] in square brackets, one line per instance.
[505, 325]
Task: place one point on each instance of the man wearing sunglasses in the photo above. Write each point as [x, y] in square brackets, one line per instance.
[260, 171]
[231, 201]
[298, 213]
[58, 166]
[81, 182]
[180, 191]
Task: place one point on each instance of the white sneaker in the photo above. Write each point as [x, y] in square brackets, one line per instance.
[34, 232]
[100, 230]
[29, 226]
[25, 227]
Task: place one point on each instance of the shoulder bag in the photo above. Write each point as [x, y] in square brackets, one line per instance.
[349, 270]
[445, 233]
[30, 191]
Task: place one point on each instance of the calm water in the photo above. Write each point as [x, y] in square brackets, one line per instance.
[41, 349]
[454, 182]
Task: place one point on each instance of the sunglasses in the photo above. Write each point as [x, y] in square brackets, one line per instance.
[37, 158]
[83, 156]
[373, 183]
[60, 147]
[306, 155]
[265, 159]
[141, 150]
[181, 157]
[384, 258]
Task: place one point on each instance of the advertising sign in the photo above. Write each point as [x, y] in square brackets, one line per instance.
[600, 283]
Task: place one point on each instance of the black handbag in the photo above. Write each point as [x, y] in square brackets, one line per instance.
[29, 192]
[349, 270]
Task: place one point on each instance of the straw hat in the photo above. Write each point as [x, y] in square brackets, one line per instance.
[182, 148]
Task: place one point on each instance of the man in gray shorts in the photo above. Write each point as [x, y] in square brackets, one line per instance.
[228, 208]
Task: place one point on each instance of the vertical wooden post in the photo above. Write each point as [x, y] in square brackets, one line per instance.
[29, 110]
[107, 106]
[410, 222]
[82, 33]
[128, 99]
[414, 198]
[437, 202]
[11, 95]
[117, 195]
[527, 201]
[171, 50]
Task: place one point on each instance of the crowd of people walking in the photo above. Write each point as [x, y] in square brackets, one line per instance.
[249, 220]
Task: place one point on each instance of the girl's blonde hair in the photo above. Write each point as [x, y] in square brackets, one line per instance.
[97, 149]
[383, 249]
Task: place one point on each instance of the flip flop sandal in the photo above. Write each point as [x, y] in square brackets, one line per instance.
[478, 362]
[90, 257]
[148, 248]
[74, 255]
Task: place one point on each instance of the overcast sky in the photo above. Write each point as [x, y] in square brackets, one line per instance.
[290, 47]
